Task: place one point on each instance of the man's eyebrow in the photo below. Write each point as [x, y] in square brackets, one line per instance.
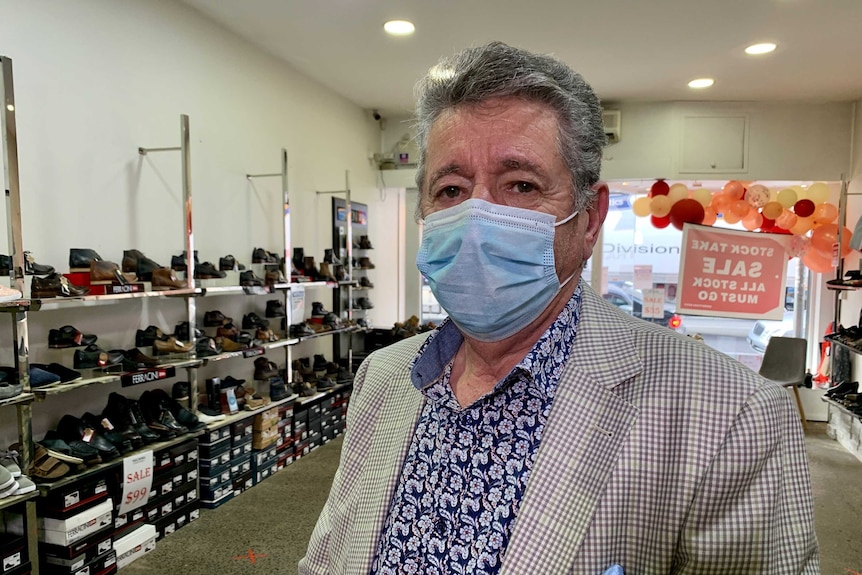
[525, 165]
[444, 171]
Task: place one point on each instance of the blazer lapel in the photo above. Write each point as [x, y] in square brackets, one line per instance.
[390, 440]
[588, 426]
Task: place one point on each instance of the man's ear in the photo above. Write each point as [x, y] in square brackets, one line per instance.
[597, 212]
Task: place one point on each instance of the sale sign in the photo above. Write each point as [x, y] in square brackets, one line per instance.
[731, 273]
[137, 481]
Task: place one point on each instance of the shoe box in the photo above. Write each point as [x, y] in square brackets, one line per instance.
[82, 279]
[135, 544]
[265, 429]
[263, 463]
[99, 565]
[218, 498]
[64, 529]
[77, 495]
[242, 430]
[177, 520]
[211, 436]
[13, 552]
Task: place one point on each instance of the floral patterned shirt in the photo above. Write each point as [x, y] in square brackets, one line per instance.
[467, 468]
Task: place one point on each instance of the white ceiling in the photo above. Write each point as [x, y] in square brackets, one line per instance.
[627, 49]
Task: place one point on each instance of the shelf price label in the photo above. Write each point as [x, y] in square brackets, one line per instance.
[137, 481]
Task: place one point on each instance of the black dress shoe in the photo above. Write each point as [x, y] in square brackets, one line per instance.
[68, 336]
[229, 263]
[247, 278]
[159, 418]
[253, 321]
[77, 448]
[183, 416]
[127, 417]
[215, 318]
[274, 308]
[80, 258]
[178, 263]
[71, 428]
[842, 389]
[106, 429]
[91, 357]
[66, 375]
[146, 337]
[31, 268]
[207, 271]
[135, 359]
[55, 285]
[261, 256]
[207, 347]
[181, 332]
[136, 262]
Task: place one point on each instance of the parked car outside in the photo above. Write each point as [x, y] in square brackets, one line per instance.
[764, 330]
[630, 300]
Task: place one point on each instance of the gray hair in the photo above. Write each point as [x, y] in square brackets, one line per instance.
[497, 70]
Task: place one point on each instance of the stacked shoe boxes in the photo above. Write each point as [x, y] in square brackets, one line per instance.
[215, 467]
[241, 438]
[264, 460]
[14, 559]
[173, 501]
[76, 528]
[300, 431]
[284, 445]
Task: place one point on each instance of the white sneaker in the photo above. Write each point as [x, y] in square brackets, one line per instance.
[9, 460]
[207, 419]
[10, 490]
[9, 294]
[25, 485]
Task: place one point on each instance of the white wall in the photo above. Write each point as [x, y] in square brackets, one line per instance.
[96, 79]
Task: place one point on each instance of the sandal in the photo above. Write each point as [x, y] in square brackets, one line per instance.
[45, 466]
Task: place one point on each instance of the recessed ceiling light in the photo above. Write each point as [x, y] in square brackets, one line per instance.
[701, 83]
[399, 27]
[764, 48]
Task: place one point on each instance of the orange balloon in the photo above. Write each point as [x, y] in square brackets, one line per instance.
[734, 189]
[721, 203]
[825, 213]
[772, 210]
[753, 221]
[740, 208]
[818, 262]
[708, 216]
[825, 236]
[660, 206]
[786, 220]
[731, 218]
[802, 225]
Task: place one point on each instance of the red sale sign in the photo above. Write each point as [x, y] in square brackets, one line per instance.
[731, 273]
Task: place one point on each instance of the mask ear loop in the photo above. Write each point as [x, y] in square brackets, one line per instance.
[566, 219]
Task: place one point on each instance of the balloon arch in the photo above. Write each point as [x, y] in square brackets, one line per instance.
[801, 212]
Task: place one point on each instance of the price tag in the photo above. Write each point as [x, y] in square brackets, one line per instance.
[653, 303]
[642, 276]
[137, 481]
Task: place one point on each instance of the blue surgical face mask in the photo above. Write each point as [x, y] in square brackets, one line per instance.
[491, 267]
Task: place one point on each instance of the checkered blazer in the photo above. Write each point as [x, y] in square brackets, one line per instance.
[660, 454]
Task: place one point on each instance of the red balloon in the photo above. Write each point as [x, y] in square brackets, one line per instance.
[767, 223]
[803, 208]
[659, 188]
[662, 222]
[687, 210]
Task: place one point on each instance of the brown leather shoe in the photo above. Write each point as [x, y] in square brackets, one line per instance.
[265, 335]
[55, 285]
[274, 277]
[325, 272]
[229, 345]
[228, 331]
[171, 345]
[165, 278]
[105, 272]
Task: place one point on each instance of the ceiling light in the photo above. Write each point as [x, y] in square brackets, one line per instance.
[764, 48]
[399, 27]
[701, 83]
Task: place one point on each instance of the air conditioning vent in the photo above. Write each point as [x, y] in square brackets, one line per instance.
[611, 121]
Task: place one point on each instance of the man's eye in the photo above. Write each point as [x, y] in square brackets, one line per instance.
[449, 192]
[524, 187]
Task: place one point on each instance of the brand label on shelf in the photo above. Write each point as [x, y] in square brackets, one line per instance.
[251, 352]
[139, 377]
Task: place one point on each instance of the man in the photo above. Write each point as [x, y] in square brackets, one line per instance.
[540, 430]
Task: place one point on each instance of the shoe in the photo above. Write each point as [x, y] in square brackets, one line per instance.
[365, 243]
[265, 335]
[215, 318]
[5, 265]
[365, 303]
[272, 278]
[213, 395]
[324, 383]
[261, 256]
[91, 357]
[255, 401]
[207, 347]
[338, 272]
[207, 416]
[72, 429]
[228, 330]
[229, 263]
[320, 364]
[183, 416]
[365, 264]
[326, 272]
[332, 321]
[80, 258]
[311, 269]
[842, 389]
[59, 449]
[127, 417]
[171, 345]
[301, 330]
[146, 337]
[66, 374]
[8, 294]
[104, 427]
[365, 282]
[104, 273]
[274, 308]
[317, 309]
[181, 332]
[277, 389]
[139, 264]
[180, 391]
[55, 285]
[25, 485]
[244, 338]
[46, 467]
[329, 257]
[228, 345]
[31, 268]
[68, 336]
[159, 418]
[139, 359]
[264, 369]
[178, 263]
[247, 278]
[252, 321]
[338, 373]
[40, 377]
[207, 271]
[9, 462]
[165, 279]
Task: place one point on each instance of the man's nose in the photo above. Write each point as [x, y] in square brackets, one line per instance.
[481, 192]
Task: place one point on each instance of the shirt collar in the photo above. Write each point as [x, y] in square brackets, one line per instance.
[439, 349]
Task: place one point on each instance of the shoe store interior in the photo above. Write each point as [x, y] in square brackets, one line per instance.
[211, 223]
